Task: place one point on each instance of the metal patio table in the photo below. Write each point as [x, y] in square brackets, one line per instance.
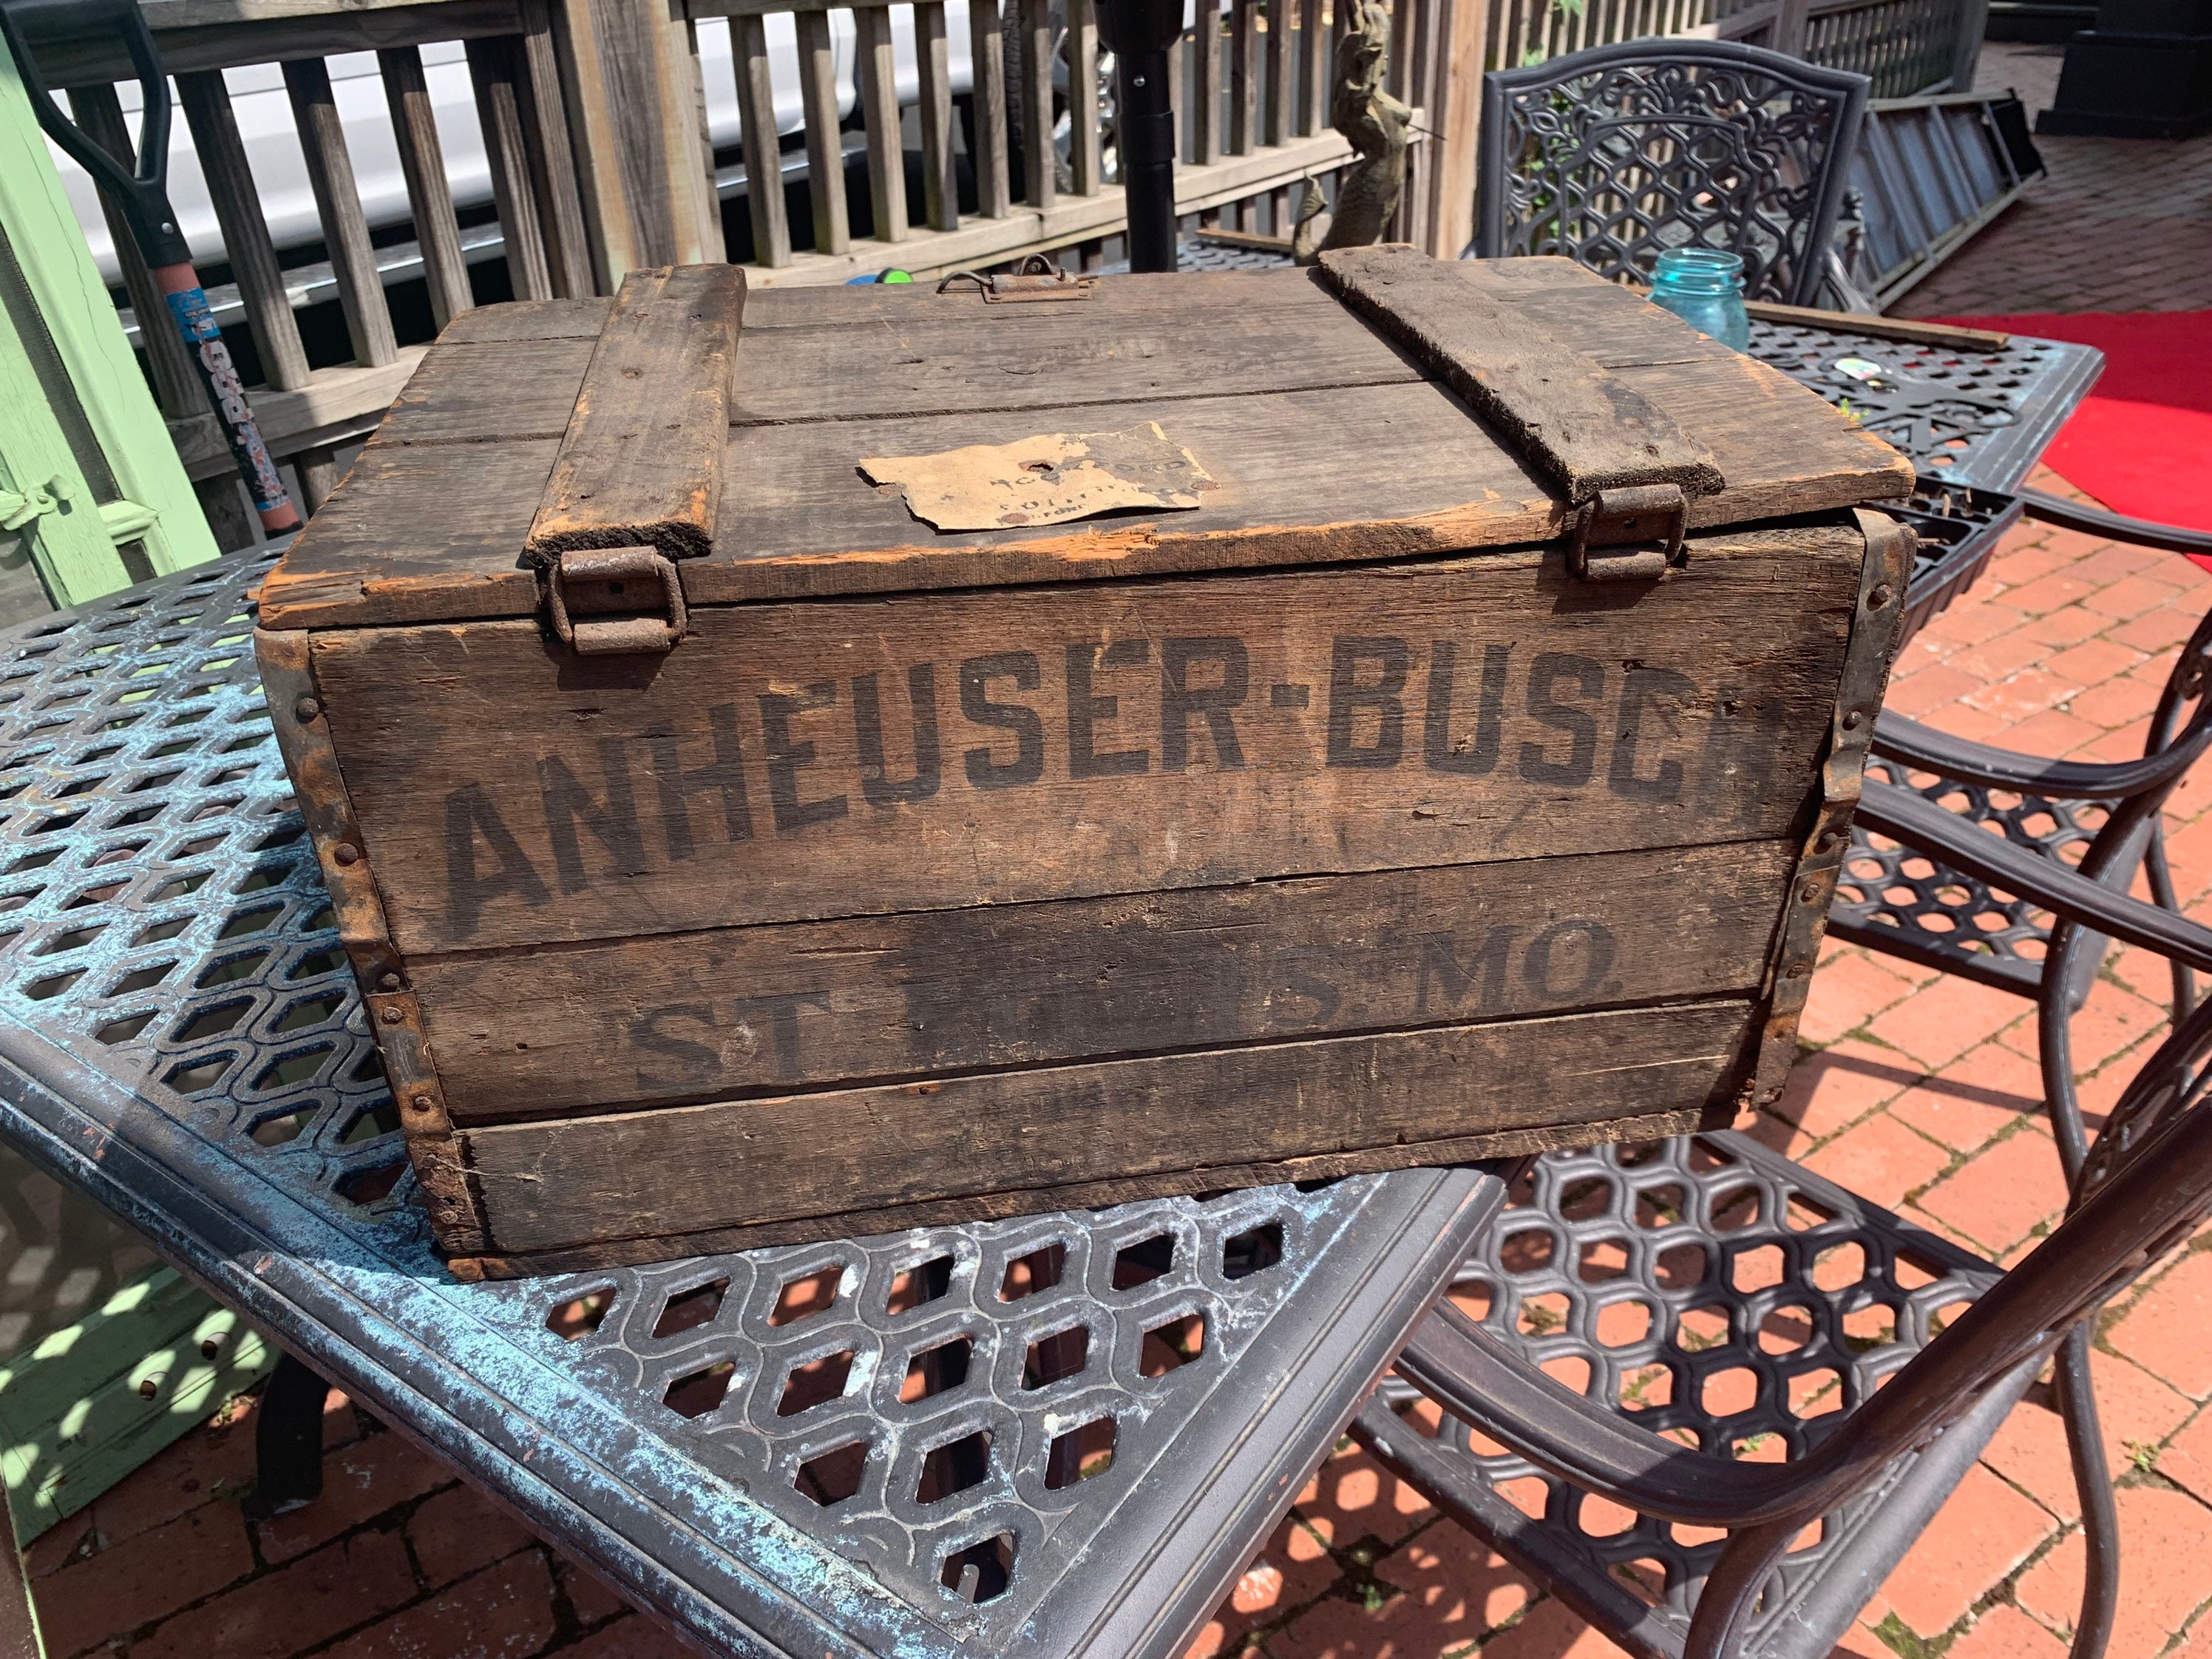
[182, 1041]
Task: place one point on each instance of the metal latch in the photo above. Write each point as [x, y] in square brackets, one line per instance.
[582, 587]
[1628, 535]
[1036, 278]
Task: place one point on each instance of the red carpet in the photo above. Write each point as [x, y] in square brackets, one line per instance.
[2141, 444]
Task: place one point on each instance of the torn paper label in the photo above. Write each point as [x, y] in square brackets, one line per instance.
[1048, 479]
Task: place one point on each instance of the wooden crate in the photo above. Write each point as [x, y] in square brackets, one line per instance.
[1355, 818]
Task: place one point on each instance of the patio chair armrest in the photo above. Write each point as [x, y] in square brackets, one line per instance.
[2113, 526]
[1912, 743]
[1478, 1380]
[1909, 816]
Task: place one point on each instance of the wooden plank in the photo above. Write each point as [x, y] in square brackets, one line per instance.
[338, 205]
[357, 557]
[1282, 73]
[748, 63]
[705, 193]
[1580, 425]
[767, 1009]
[1033, 32]
[247, 246]
[986, 61]
[1886, 328]
[642, 148]
[686, 1169]
[1315, 65]
[797, 520]
[1084, 161]
[1077, 770]
[1243, 82]
[224, 40]
[825, 152]
[940, 189]
[464, 394]
[1079, 1195]
[541, 110]
[1071, 220]
[492, 74]
[1454, 108]
[429, 198]
[539, 320]
[641, 461]
[1206, 97]
[876, 70]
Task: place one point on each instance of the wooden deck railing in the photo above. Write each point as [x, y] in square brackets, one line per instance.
[593, 115]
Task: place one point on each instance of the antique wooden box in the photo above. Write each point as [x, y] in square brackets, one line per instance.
[1444, 748]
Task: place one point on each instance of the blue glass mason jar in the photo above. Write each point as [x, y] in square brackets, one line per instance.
[1705, 288]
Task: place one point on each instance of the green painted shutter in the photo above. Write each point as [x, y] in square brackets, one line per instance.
[92, 494]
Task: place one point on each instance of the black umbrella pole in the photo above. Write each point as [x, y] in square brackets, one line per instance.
[1146, 139]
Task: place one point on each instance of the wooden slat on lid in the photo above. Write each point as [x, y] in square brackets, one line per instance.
[1330, 441]
[642, 463]
[1571, 419]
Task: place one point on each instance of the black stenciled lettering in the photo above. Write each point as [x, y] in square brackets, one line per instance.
[469, 817]
[725, 775]
[1347, 694]
[688, 1061]
[613, 823]
[1438, 749]
[1598, 948]
[876, 786]
[1180, 699]
[1309, 974]
[788, 757]
[1028, 728]
[782, 1011]
[1085, 712]
[1544, 706]
[1660, 692]
[1440, 961]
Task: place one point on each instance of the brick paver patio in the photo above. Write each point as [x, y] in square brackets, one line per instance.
[1921, 1092]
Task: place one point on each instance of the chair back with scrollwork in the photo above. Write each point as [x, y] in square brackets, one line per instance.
[1612, 156]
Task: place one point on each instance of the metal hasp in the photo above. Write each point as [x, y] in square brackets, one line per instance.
[585, 580]
[1628, 535]
[1140, 33]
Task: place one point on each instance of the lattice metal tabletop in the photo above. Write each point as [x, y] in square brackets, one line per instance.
[1062, 1434]
[1980, 418]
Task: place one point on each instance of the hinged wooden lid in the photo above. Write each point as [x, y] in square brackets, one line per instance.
[1431, 408]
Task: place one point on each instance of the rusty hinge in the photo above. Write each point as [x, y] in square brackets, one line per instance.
[1036, 278]
[1627, 535]
[614, 601]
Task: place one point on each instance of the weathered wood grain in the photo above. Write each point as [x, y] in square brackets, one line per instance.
[467, 1264]
[421, 533]
[642, 462]
[1582, 428]
[756, 1010]
[1398, 1097]
[824, 377]
[1089, 738]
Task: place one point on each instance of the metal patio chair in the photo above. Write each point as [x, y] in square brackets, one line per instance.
[1903, 896]
[1715, 1305]
[1613, 155]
